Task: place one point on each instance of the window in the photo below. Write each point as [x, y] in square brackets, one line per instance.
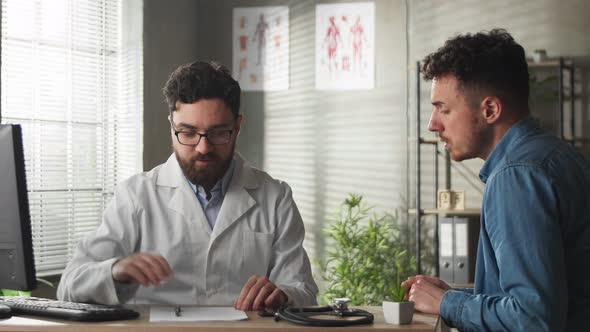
[72, 77]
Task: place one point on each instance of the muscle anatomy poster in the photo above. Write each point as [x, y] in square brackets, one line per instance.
[345, 47]
[261, 48]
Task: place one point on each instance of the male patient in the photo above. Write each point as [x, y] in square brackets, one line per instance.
[533, 259]
[203, 228]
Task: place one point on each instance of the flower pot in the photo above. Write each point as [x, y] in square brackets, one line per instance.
[398, 312]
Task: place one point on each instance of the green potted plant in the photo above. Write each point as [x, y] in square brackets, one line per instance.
[398, 310]
[367, 257]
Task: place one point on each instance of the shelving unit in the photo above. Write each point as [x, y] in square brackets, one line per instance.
[561, 66]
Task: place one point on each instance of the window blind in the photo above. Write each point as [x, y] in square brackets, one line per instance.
[72, 77]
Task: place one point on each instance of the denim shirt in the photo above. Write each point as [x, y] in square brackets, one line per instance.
[533, 260]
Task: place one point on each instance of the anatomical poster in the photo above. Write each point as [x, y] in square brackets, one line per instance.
[261, 48]
[345, 46]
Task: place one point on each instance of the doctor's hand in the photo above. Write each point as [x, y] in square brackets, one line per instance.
[426, 292]
[259, 293]
[146, 269]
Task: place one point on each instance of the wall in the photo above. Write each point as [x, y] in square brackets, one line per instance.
[169, 40]
[326, 144]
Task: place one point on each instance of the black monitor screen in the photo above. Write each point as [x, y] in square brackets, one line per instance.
[17, 265]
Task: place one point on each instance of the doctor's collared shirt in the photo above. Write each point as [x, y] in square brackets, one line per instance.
[212, 205]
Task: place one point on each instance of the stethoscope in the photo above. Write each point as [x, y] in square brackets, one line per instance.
[339, 308]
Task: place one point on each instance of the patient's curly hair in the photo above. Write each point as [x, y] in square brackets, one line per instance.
[491, 62]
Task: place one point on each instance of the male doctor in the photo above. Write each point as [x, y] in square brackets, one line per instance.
[204, 228]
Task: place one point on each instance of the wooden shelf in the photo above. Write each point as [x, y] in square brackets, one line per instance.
[444, 212]
[576, 139]
[552, 63]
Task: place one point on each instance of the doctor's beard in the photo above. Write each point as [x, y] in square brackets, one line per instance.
[206, 176]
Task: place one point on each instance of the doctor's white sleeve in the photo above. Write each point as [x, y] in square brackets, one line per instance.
[290, 266]
[87, 277]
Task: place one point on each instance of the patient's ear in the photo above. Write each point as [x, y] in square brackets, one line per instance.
[491, 108]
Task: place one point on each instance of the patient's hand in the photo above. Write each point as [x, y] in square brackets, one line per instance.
[432, 280]
[260, 293]
[426, 292]
[146, 269]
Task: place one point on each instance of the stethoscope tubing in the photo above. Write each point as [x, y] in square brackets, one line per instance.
[293, 315]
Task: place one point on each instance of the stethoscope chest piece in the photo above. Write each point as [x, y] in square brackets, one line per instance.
[340, 304]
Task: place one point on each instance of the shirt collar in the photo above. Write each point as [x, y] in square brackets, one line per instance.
[221, 185]
[507, 143]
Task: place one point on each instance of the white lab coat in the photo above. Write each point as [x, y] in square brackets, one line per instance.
[258, 231]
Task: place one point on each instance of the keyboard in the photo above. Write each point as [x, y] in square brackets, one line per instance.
[66, 310]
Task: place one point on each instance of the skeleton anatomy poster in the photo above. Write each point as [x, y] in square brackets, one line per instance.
[345, 47]
[261, 48]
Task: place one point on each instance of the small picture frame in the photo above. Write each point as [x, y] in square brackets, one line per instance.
[451, 199]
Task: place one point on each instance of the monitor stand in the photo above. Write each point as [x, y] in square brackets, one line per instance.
[5, 311]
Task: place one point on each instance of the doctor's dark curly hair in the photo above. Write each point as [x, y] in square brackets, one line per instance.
[202, 80]
[492, 62]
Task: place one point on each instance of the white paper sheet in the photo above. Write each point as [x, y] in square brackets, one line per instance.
[196, 314]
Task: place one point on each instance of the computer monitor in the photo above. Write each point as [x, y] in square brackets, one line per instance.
[17, 264]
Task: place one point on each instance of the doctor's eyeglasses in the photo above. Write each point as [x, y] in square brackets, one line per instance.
[192, 138]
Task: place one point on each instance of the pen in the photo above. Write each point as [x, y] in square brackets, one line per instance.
[177, 311]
